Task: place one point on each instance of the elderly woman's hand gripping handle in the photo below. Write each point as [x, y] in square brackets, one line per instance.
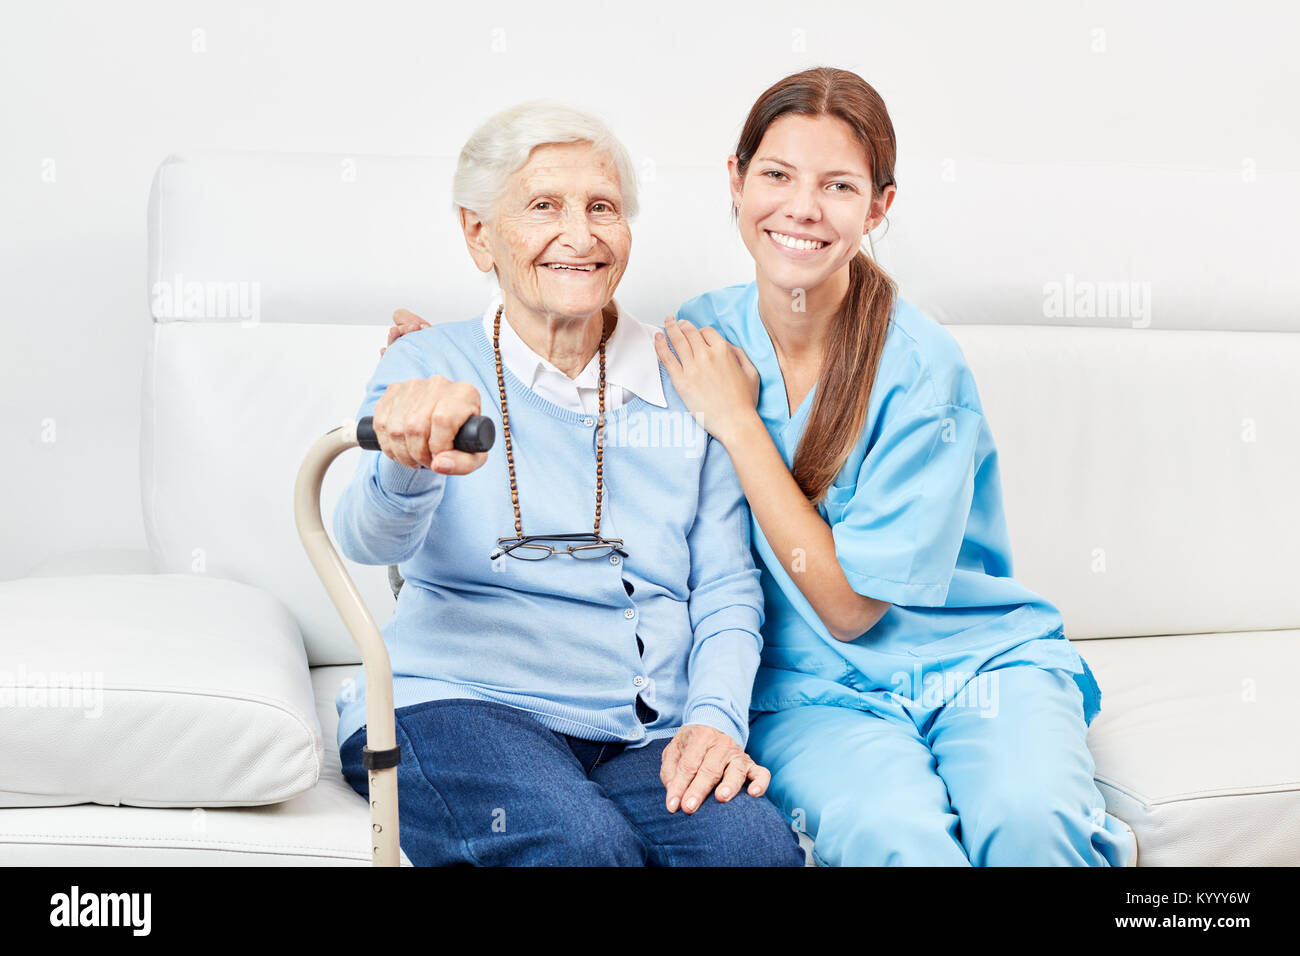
[416, 423]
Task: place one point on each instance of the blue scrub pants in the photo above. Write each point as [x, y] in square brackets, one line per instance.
[957, 784]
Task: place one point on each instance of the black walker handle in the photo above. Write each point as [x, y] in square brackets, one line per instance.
[477, 434]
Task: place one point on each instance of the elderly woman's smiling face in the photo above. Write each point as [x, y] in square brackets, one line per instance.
[557, 236]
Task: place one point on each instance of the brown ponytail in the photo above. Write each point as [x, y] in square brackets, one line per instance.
[857, 335]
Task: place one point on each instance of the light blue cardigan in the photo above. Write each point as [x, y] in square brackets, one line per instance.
[558, 638]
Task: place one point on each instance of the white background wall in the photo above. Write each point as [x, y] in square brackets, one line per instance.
[94, 96]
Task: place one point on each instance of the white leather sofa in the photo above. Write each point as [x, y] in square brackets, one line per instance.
[1149, 460]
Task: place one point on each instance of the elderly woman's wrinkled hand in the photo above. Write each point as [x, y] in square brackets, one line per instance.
[416, 423]
[700, 758]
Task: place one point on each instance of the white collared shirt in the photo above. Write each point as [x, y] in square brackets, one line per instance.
[631, 366]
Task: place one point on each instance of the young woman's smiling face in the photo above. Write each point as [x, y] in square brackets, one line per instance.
[805, 202]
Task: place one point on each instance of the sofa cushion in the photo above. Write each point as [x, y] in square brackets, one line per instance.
[229, 414]
[1196, 747]
[1139, 500]
[152, 691]
[328, 825]
[95, 561]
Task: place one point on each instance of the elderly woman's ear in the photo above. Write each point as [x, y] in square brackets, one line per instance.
[476, 240]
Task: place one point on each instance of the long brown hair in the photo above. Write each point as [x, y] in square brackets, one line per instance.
[857, 334]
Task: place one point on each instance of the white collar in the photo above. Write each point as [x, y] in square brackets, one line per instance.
[631, 362]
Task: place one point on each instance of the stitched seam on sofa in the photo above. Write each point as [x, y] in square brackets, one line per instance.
[190, 692]
[1215, 794]
[246, 698]
[1123, 791]
[209, 692]
[161, 842]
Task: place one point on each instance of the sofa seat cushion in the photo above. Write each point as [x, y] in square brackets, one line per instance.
[328, 825]
[152, 691]
[1196, 745]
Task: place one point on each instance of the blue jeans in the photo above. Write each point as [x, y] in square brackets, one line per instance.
[485, 784]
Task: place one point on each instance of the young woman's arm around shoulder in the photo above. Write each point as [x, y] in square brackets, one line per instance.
[718, 381]
[811, 176]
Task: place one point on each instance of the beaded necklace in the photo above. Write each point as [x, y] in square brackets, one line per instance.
[505, 423]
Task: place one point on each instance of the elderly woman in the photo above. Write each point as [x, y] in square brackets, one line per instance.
[576, 642]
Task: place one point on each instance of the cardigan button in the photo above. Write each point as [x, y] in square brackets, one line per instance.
[629, 613]
[589, 422]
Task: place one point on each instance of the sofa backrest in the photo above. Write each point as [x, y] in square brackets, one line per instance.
[1148, 460]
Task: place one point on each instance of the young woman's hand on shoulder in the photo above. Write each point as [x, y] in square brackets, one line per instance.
[404, 321]
[715, 379]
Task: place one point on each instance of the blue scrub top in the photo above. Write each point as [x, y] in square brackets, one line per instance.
[917, 518]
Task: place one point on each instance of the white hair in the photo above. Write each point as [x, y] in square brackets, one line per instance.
[503, 144]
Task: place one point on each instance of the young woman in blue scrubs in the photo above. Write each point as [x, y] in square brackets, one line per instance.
[915, 705]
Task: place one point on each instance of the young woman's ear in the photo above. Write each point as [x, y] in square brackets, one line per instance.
[879, 207]
[476, 240]
[736, 180]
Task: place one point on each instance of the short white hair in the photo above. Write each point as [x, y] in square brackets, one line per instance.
[502, 145]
